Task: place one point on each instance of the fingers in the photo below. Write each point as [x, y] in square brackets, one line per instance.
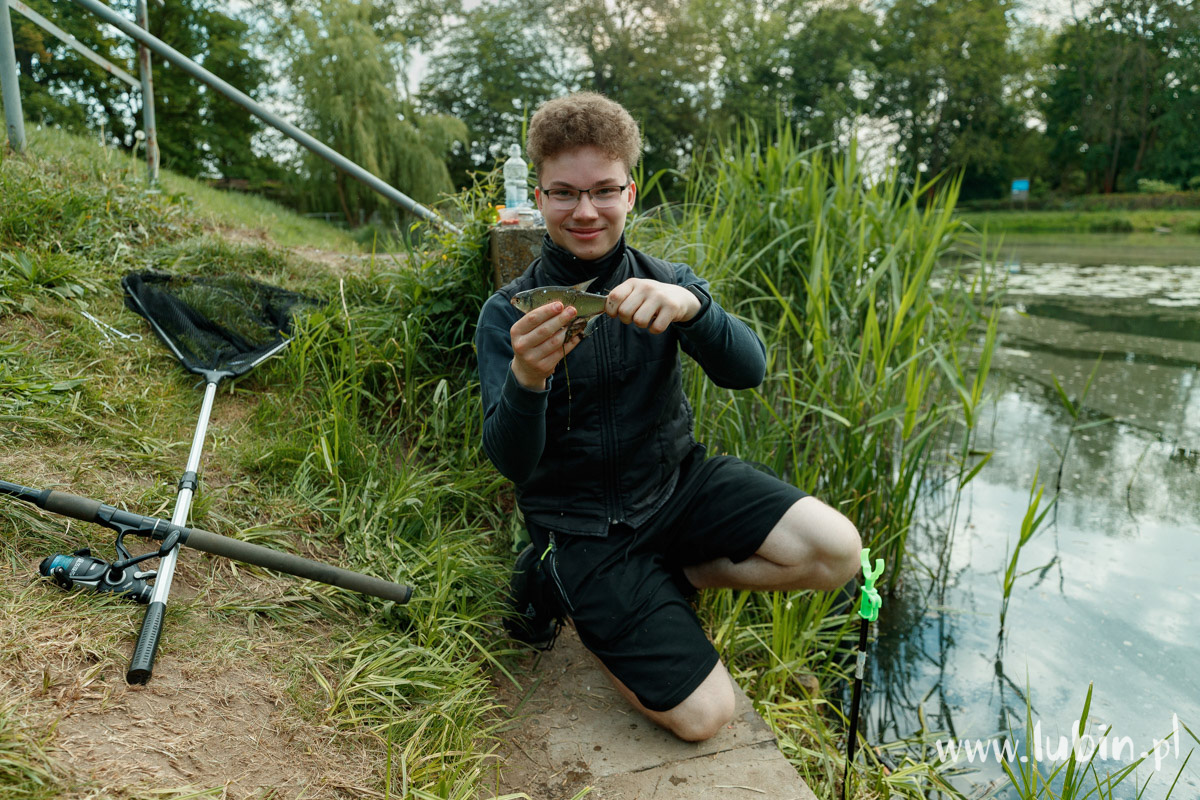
[647, 304]
[539, 343]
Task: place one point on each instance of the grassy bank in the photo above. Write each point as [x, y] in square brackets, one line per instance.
[356, 447]
[1147, 220]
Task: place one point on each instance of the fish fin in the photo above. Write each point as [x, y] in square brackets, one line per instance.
[583, 287]
[591, 323]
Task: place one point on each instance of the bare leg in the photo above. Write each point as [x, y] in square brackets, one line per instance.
[811, 547]
[701, 716]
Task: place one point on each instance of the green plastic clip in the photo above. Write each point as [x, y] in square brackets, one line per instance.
[868, 609]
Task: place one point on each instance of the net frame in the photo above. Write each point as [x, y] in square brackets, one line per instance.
[216, 326]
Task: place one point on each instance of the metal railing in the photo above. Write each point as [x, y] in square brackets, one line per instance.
[146, 43]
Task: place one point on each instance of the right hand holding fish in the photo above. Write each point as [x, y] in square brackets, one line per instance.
[539, 342]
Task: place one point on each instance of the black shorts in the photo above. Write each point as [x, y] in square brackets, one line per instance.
[626, 592]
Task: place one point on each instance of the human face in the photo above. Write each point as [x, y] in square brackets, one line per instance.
[586, 231]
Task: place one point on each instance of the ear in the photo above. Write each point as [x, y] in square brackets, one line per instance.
[632, 193]
[538, 199]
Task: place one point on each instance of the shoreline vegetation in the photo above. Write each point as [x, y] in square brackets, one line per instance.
[359, 445]
[1164, 221]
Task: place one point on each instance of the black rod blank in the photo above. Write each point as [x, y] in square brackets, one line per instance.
[86, 510]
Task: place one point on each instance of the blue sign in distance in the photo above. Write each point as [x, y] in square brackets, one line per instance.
[1020, 185]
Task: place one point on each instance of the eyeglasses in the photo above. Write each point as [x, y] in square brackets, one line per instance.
[601, 196]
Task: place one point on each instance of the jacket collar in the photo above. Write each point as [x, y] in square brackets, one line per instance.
[563, 268]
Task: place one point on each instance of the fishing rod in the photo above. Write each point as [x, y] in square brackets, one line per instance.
[84, 569]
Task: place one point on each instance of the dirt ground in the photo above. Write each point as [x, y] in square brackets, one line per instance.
[524, 762]
[210, 718]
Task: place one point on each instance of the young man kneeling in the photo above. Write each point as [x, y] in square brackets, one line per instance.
[627, 514]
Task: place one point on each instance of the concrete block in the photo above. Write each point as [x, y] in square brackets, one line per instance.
[512, 248]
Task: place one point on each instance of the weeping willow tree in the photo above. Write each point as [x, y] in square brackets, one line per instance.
[345, 59]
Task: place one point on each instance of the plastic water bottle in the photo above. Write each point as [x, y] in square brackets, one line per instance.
[516, 179]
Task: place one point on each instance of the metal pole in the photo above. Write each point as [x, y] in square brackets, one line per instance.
[142, 663]
[143, 19]
[324, 151]
[72, 42]
[13, 116]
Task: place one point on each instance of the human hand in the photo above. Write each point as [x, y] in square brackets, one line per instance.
[651, 304]
[539, 342]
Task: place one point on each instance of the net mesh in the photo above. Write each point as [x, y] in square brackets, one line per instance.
[224, 324]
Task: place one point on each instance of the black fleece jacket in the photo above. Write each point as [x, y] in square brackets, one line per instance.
[603, 443]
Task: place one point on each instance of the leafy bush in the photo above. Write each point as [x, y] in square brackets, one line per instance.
[1154, 186]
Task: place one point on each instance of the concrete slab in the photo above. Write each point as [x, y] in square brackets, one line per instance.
[755, 772]
[576, 730]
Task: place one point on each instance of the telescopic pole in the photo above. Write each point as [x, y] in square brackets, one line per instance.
[142, 663]
[868, 612]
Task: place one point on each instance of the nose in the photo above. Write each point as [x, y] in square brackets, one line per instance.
[585, 212]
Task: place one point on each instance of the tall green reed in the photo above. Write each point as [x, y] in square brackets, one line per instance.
[876, 346]
[872, 338]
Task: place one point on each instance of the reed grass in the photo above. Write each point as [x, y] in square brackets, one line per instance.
[878, 350]
[1035, 514]
[1077, 778]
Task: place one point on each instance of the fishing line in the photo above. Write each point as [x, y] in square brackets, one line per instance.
[567, 372]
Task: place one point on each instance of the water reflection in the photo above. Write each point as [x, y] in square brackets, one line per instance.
[1108, 587]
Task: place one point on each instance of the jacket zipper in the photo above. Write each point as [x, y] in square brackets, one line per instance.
[614, 508]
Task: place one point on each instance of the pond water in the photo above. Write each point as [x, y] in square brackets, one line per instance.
[1108, 594]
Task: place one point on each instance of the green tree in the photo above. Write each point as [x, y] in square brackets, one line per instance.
[943, 79]
[61, 88]
[343, 57]
[653, 56]
[1123, 90]
[494, 66]
[199, 132]
[792, 61]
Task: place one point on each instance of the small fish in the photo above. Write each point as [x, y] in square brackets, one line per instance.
[590, 307]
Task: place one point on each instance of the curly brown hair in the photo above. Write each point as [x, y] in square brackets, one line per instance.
[580, 120]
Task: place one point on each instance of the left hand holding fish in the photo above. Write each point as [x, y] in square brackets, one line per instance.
[651, 304]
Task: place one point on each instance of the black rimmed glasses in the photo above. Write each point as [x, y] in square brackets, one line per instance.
[601, 196]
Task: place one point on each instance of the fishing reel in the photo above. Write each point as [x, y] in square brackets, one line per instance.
[81, 568]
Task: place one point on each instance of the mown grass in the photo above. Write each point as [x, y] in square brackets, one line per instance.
[251, 215]
[356, 447]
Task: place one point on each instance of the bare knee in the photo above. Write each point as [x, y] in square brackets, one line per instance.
[701, 718]
[819, 541]
[843, 554]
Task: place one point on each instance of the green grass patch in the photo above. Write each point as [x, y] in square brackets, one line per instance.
[1176, 220]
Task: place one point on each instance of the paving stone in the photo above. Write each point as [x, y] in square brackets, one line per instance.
[590, 729]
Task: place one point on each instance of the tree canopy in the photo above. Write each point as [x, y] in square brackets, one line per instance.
[199, 133]
[1096, 102]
